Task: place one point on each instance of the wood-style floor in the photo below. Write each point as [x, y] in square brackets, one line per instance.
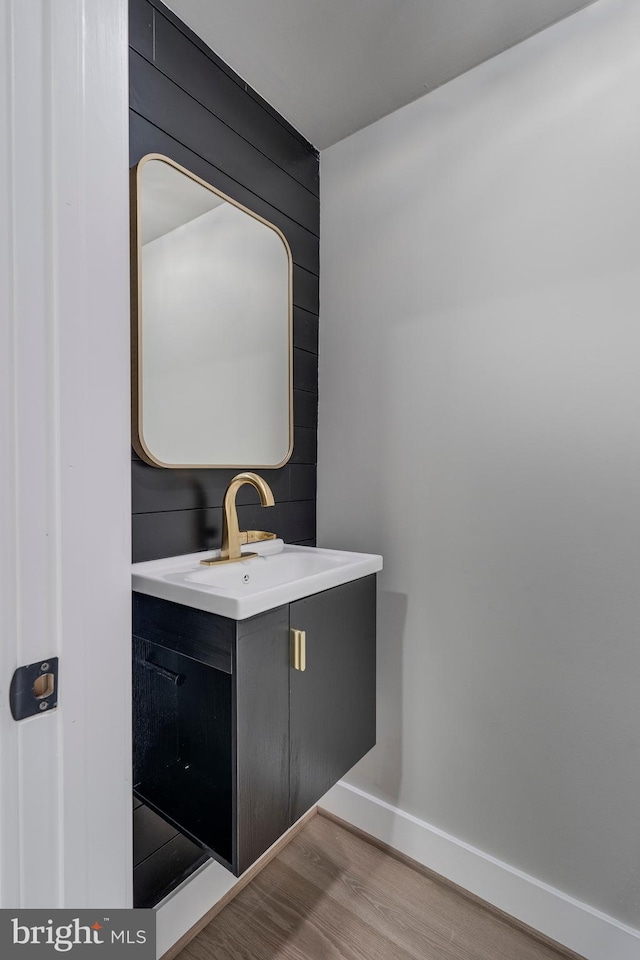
[331, 895]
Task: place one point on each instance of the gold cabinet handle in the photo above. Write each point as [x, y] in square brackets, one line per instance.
[298, 650]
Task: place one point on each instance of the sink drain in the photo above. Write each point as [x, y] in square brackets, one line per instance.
[246, 578]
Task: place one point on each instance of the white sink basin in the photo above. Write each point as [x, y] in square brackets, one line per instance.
[280, 574]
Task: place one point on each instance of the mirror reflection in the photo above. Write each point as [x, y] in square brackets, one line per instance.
[212, 338]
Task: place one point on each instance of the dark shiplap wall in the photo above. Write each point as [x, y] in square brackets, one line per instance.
[188, 105]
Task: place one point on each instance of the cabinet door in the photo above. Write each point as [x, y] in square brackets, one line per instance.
[261, 735]
[332, 702]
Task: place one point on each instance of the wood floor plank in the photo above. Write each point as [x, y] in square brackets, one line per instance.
[378, 894]
[283, 914]
[403, 903]
[331, 895]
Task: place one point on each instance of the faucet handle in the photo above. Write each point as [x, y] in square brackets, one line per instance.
[254, 536]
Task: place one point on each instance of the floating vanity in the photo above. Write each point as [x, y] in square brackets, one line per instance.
[254, 689]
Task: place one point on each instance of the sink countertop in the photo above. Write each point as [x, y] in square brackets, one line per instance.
[279, 574]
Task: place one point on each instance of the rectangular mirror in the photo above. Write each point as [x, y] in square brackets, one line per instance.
[212, 321]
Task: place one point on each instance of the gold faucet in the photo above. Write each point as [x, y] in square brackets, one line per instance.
[232, 537]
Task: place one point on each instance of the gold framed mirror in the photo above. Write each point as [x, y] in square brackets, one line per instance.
[211, 325]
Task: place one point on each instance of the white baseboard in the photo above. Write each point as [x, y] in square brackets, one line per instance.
[576, 925]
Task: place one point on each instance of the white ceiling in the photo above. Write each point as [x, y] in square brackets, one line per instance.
[334, 66]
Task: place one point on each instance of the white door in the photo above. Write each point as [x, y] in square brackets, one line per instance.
[65, 791]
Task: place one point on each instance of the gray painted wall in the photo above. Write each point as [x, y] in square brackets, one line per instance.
[480, 427]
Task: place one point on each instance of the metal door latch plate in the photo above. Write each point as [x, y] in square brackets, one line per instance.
[34, 689]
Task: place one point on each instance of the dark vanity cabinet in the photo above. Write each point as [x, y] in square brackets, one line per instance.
[333, 702]
[232, 743]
